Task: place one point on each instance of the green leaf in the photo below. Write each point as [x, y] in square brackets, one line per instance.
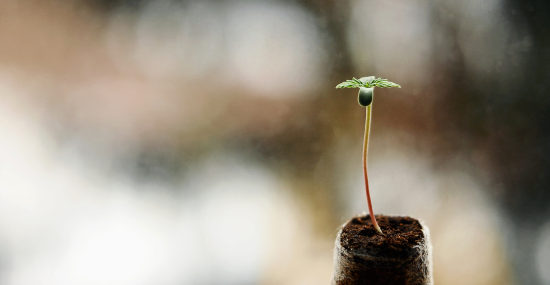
[353, 83]
[367, 82]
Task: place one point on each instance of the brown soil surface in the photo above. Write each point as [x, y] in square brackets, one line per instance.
[400, 234]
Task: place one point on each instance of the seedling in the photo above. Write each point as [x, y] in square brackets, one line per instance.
[365, 97]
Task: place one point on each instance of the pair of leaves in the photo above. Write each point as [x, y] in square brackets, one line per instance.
[367, 82]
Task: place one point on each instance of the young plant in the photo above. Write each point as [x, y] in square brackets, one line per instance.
[365, 97]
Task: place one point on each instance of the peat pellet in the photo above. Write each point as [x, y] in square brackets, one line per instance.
[401, 255]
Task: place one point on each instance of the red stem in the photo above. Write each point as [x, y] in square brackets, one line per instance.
[365, 150]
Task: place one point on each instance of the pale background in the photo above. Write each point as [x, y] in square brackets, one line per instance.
[203, 142]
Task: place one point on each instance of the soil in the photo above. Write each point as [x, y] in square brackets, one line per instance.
[400, 234]
[401, 255]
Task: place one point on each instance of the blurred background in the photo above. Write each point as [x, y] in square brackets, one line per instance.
[203, 142]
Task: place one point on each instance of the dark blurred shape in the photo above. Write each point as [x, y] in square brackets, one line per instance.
[502, 123]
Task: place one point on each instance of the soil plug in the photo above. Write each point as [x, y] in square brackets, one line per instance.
[402, 255]
[380, 249]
